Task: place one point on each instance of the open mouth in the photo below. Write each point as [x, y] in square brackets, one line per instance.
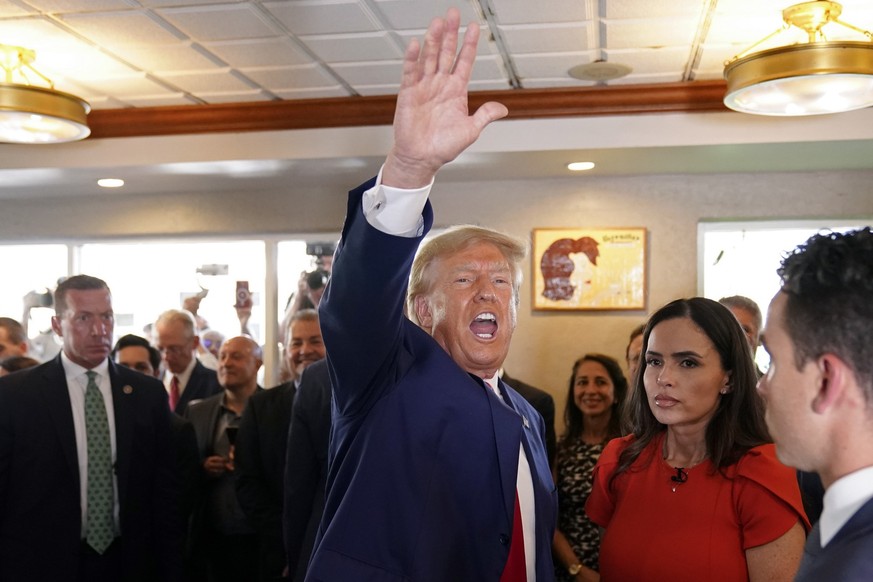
[484, 326]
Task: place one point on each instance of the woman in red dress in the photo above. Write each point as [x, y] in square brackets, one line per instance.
[696, 492]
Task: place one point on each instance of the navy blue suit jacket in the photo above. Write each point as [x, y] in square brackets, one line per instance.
[423, 457]
[847, 558]
[40, 507]
[202, 384]
[306, 467]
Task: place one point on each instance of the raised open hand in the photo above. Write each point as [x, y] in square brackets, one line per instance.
[432, 124]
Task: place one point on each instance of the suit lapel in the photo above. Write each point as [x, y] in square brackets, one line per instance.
[57, 399]
[507, 433]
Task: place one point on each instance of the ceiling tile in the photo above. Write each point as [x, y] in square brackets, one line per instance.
[377, 73]
[528, 11]
[71, 6]
[317, 93]
[127, 86]
[207, 81]
[83, 62]
[495, 85]
[121, 28]
[38, 34]
[486, 68]
[649, 61]
[620, 34]
[10, 10]
[547, 38]
[549, 82]
[177, 57]
[323, 16]
[549, 65]
[276, 78]
[354, 48]
[159, 100]
[653, 9]
[264, 52]
[235, 97]
[168, 3]
[417, 14]
[222, 22]
[371, 90]
[485, 45]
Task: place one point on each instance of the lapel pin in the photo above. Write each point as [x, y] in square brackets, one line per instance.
[526, 423]
[128, 389]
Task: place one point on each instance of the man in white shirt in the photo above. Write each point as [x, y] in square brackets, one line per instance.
[819, 393]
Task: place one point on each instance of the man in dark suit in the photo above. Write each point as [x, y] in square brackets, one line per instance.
[88, 490]
[306, 467]
[185, 379]
[261, 444]
[544, 404]
[438, 471]
[137, 353]
[819, 393]
[223, 542]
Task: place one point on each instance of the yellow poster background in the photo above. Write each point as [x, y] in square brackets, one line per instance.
[565, 278]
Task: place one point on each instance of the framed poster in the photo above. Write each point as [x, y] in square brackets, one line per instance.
[589, 268]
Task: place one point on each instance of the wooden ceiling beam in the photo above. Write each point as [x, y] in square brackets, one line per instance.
[694, 96]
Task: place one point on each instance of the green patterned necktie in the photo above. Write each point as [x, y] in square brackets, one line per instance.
[100, 504]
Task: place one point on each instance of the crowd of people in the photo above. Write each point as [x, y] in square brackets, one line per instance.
[397, 446]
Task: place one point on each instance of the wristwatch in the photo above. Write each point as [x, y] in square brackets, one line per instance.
[574, 569]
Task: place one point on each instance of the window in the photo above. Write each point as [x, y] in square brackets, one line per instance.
[741, 258]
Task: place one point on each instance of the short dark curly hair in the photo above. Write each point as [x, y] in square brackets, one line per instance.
[828, 282]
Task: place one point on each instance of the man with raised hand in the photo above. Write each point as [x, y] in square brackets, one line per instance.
[438, 470]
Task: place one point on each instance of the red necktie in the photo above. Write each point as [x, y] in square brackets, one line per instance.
[515, 569]
[174, 392]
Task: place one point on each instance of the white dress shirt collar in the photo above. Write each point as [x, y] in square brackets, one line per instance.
[842, 500]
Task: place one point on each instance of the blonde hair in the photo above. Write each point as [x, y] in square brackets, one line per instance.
[452, 240]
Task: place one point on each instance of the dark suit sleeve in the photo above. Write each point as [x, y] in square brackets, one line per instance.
[6, 440]
[306, 467]
[547, 410]
[252, 490]
[361, 312]
[169, 525]
[187, 462]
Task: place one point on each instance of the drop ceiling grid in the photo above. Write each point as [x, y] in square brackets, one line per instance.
[120, 53]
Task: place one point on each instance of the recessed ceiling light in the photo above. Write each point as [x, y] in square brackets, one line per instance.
[110, 183]
[580, 166]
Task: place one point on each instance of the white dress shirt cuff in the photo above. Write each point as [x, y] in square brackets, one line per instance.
[395, 211]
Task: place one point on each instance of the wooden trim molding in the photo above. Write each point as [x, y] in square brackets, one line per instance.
[693, 96]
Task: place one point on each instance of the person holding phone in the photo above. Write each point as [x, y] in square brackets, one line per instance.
[223, 543]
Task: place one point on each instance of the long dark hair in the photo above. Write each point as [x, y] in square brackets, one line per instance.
[573, 417]
[738, 422]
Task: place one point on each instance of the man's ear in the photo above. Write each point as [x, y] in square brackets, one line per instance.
[423, 312]
[832, 382]
[56, 325]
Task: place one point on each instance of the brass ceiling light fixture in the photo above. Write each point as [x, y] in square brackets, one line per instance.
[32, 114]
[808, 78]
